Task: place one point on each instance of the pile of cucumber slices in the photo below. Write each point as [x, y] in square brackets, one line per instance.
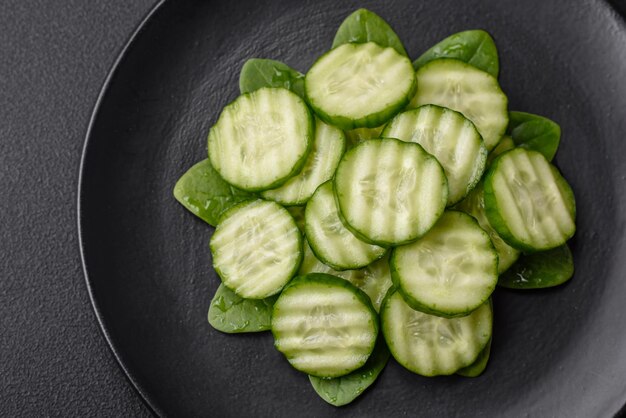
[370, 207]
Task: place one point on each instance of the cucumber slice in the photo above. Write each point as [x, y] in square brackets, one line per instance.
[450, 271]
[328, 147]
[358, 135]
[540, 270]
[330, 240]
[505, 144]
[528, 202]
[342, 390]
[390, 192]
[324, 326]
[233, 314]
[359, 85]
[256, 248]
[430, 345]
[374, 280]
[479, 365]
[474, 205]
[261, 139]
[451, 138]
[459, 86]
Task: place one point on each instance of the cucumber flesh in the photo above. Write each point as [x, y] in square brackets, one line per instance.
[479, 365]
[328, 147]
[459, 86]
[450, 271]
[390, 192]
[474, 205]
[359, 85]
[330, 240]
[528, 202]
[256, 248]
[430, 345]
[324, 326]
[450, 137]
[261, 139]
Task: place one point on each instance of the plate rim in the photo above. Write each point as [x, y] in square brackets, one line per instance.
[146, 399]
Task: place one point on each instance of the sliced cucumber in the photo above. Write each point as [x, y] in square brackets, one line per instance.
[505, 144]
[430, 345]
[450, 271]
[459, 86]
[374, 279]
[479, 365]
[256, 248]
[451, 138]
[328, 147]
[358, 135]
[324, 326]
[390, 192]
[474, 205]
[330, 240]
[528, 202]
[540, 270]
[261, 139]
[359, 85]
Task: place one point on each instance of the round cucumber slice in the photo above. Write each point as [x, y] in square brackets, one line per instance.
[330, 240]
[328, 147]
[390, 192]
[359, 85]
[450, 137]
[528, 202]
[430, 345]
[450, 271]
[261, 139]
[324, 325]
[462, 87]
[256, 248]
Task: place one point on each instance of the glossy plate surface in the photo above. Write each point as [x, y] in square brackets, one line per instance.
[559, 352]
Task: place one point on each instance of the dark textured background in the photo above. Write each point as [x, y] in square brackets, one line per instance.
[54, 57]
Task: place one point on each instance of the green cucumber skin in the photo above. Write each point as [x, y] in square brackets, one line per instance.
[419, 306]
[387, 244]
[539, 270]
[333, 390]
[493, 212]
[534, 132]
[299, 164]
[331, 281]
[238, 206]
[465, 46]
[370, 121]
[477, 367]
[366, 26]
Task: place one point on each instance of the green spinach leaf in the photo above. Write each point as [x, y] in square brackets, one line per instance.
[534, 132]
[365, 26]
[343, 390]
[233, 314]
[257, 73]
[475, 47]
[479, 365]
[539, 270]
[205, 194]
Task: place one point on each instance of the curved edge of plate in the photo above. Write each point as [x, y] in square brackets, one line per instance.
[143, 395]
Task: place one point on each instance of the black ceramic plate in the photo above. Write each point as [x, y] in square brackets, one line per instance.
[560, 352]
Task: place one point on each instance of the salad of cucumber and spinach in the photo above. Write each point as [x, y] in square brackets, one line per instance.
[369, 208]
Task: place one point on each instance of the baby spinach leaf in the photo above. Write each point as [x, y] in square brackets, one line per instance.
[479, 365]
[475, 47]
[257, 73]
[365, 26]
[539, 270]
[233, 314]
[342, 390]
[534, 132]
[205, 193]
